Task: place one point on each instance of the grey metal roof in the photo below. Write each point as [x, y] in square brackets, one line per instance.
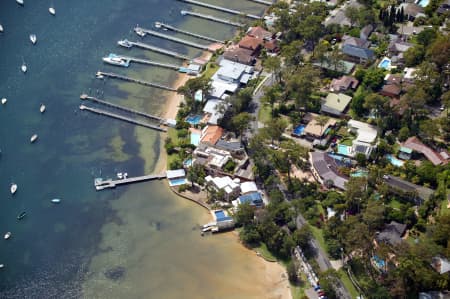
[358, 52]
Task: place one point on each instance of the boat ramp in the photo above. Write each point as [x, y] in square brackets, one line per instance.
[101, 184]
[159, 50]
[172, 38]
[211, 18]
[169, 27]
[124, 118]
[149, 62]
[223, 9]
[137, 81]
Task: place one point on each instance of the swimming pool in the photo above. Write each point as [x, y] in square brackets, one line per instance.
[221, 216]
[379, 262]
[359, 173]
[385, 64]
[423, 3]
[299, 130]
[177, 182]
[194, 120]
[195, 138]
[341, 161]
[394, 161]
[344, 149]
[187, 162]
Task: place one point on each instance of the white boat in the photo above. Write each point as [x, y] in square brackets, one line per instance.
[33, 138]
[139, 32]
[158, 25]
[125, 175]
[55, 200]
[20, 2]
[116, 60]
[13, 188]
[125, 43]
[52, 10]
[7, 236]
[33, 38]
[99, 75]
[23, 67]
[4, 100]
[1, 28]
[42, 108]
[120, 175]
[2, 266]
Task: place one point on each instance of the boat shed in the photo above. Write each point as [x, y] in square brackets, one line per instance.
[175, 174]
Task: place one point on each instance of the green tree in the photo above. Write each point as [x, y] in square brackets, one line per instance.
[272, 94]
[439, 51]
[250, 235]
[373, 78]
[244, 215]
[429, 129]
[403, 134]
[414, 55]
[273, 64]
[275, 129]
[292, 53]
[302, 236]
[378, 103]
[373, 215]
[352, 13]
[241, 122]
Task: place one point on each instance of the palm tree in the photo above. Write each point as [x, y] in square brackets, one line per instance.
[322, 120]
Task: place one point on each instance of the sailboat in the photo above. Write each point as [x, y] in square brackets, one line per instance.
[23, 67]
[33, 38]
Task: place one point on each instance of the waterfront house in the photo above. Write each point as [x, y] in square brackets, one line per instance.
[434, 157]
[234, 146]
[325, 170]
[228, 78]
[176, 177]
[240, 55]
[230, 187]
[259, 32]
[211, 134]
[212, 158]
[343, 84]
[335, 104]
[251, 43]
[222, 220]
[254, 199]
[214, 110]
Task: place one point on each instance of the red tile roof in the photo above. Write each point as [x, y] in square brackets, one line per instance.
[259, 32]
[391, 90]
[415, 144]
[251, 43]
[211, 134]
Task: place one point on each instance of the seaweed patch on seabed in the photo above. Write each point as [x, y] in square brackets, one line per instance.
[115, 273]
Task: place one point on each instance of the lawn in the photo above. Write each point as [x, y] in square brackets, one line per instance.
[265, 253]
[210, 69]
[265, 114]
[395, 204]
[348, 283]
[347, 141]
[318, 235]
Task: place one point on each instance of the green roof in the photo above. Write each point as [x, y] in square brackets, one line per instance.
[336, 103]
[406, 150]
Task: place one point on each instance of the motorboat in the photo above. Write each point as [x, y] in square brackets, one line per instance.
[33, 138]
[1, 28]
[99, 75]
[2, 266]
[13, 188]
[4, 100]
[116, 60]
[21, 215]
[139, 32]
[55, 200]
[125, 43]
[158, 25]
[23, 67]
[120, 175]
[33, 38]
[42, 108]
[7, 236]
[125, 175]
[52, 10]
[20, 2]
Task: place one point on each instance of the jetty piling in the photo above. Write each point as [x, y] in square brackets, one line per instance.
[172, 38]
[169, 27]
[137, 81]
[223, 9]
[120, 117]
[211, 18]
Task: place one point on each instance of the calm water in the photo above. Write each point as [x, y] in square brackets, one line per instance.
[133, 242]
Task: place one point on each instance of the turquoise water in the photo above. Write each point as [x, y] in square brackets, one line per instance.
[394, 161]
[92, 244]
[177, 182]
[343, 149]
[360, 173]
[194, 120]
[385, 64]
[195, 138]
[423, 3]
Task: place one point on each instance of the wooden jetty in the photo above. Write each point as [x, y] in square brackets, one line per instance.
[149, 116]
[211, 18]
[150, 62]
[124, 118]
[160, 50]
[169, 27]
[263, 2]
[101, 184]
[125, 78]
[220, 8]
[171, 38]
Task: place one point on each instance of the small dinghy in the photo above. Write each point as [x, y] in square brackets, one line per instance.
[7, 236]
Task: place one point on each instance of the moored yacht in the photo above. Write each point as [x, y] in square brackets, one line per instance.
[55, 200]
[33, 138]
[2, 266]
[7, 236]
[1, 28]
[13, 188]
[116, 60]
[158, 25]
[33, 38]
[20, 2]
[125, 43]
[23, 67]
[42, 108]
[4, 100]
[52, 10]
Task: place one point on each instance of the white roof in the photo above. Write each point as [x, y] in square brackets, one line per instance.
[225, 183]
[175, 173]
[219, 87]
[409, 73]
[248, 187]
[366, 133]
[212, 106]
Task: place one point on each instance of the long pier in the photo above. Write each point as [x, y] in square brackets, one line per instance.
[124, 118]
[220, 8]
[211, 18]
[263, 2]
[125, 78]
[101, 184]
[172, 38]
[160, 50]
[150, 62]
[169, 27]
[96, 100]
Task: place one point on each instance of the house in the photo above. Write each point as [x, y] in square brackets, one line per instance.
[235, 146]
[314, 130]
[211, 134]
[271, 46]
[392, 233]
[412, 11]
[225, 183]
[325, 170]
[393, 79]
[214, 109]
[254, 199]
[222, 221]
[440, 264]
[343, 83]
[337, 16]
[356, 42]
[416, 145]
[409, 29]
[212, 158]
[391, 90]
[409, 74]
[248, 187]
[358, 54]
[176, 177]
[228, 78]
[433, 295]
[240, 55]
[260, 33]
[397, 47]
[366, 136]
[344, 67]
[415, 192]
[365, 32]
[335, 104]
[404, 153]
[251, 43]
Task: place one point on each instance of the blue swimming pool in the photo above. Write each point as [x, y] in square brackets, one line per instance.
[194, 120]
[423, 3]
[385, 63]
[359, 173]
[177, 182]
[195, 138]
[187, 162]
[341, 161]
[379, 262]
[344, 149]
[394, 161]
[299, 130]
